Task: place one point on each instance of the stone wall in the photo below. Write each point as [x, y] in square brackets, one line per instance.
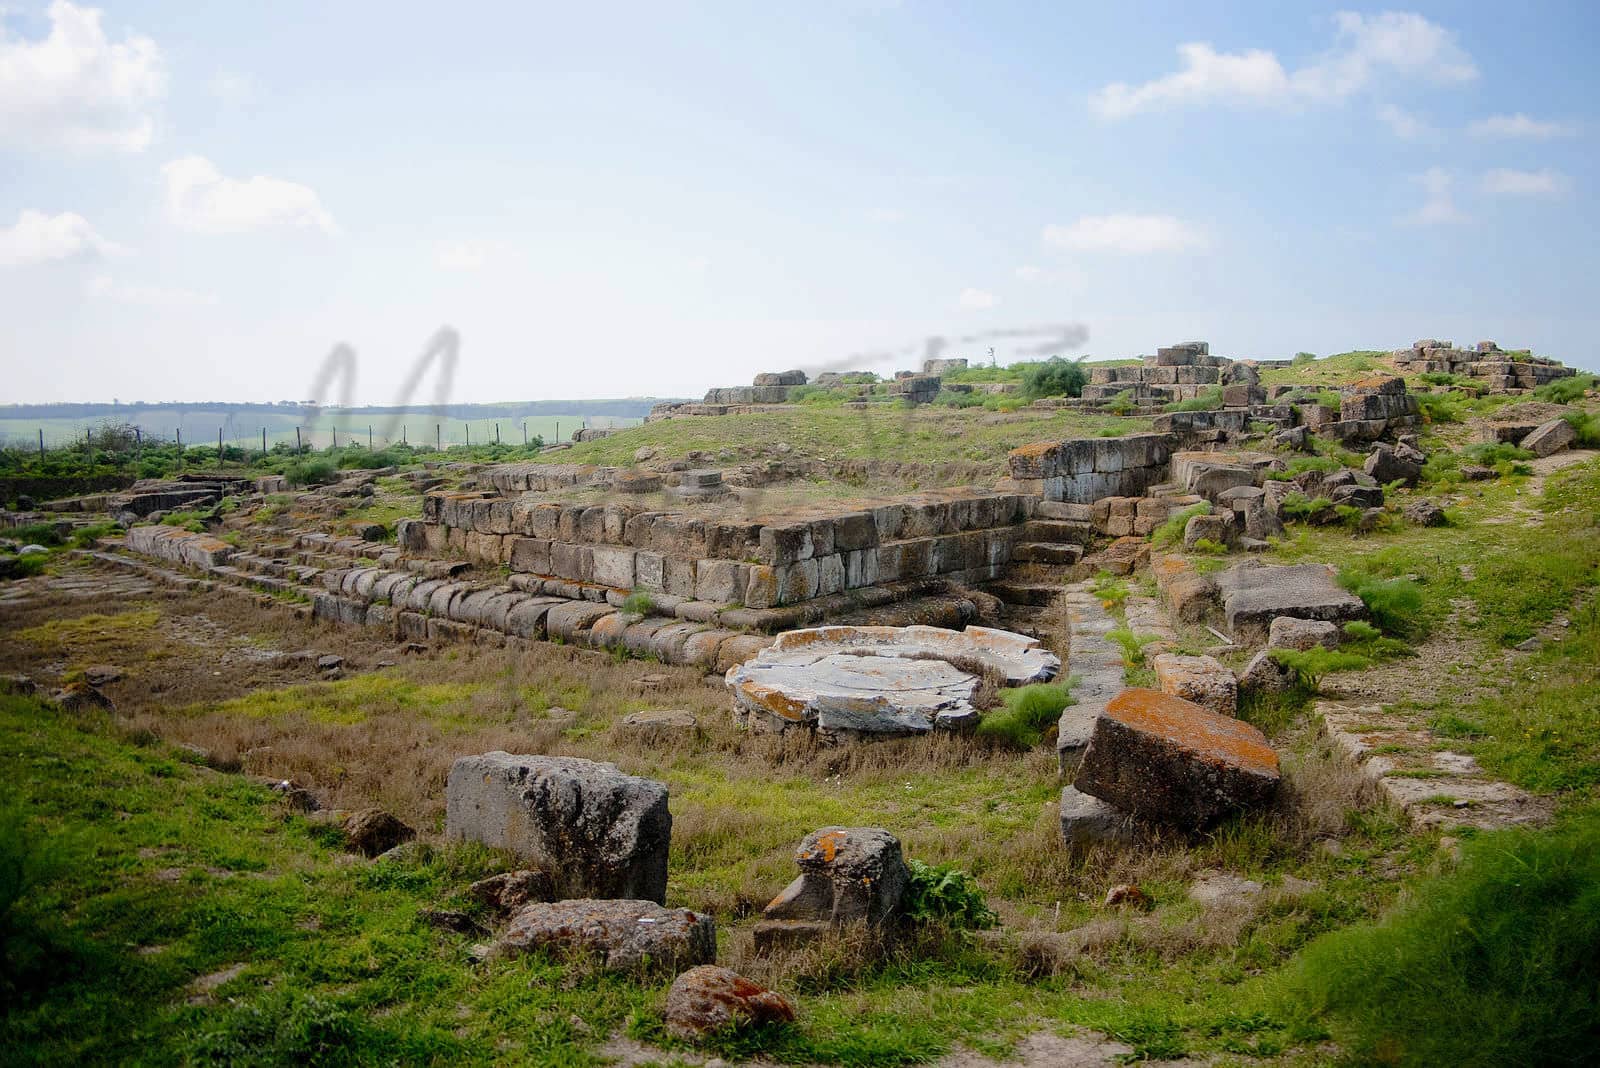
[1501, 371]
[1084, 470]
[963, 535]
[1175, 373]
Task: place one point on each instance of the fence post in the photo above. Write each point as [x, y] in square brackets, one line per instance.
[263, 443]
[468, 428]
[497, 433]
[438, 437]
[180, 448]
[297, 446]
[524, 434]
[335, 436]
[41, 443]
[369, 437]
[219, 446]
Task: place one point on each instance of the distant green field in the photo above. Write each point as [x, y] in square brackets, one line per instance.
[199, 426]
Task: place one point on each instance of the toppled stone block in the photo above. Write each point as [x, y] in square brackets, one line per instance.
[780, 378]
[1393, 464]
[599, 833]
[710, 1000]
[1550, 438]
[509, 891]
[370, 831]
[656, 726]
[1254, 594]
[1263, 674]
[623, 935]
[1160, 757]
[848, 876]
[1202, 679]
[1425, 513]
[1291, 632]
[1216, 528]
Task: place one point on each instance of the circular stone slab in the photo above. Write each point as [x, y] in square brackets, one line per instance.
[880, 680]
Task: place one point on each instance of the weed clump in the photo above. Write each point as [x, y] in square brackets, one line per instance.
[945, 894]
[1395, 603]
[1026, 713]
[1171, 532]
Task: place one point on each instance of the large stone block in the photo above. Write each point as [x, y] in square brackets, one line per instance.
[613, 566]
[620, 935]
[1550, 438]
[530, 554]
[1253, 594]
[1160, 757]
[1202, 679]
[596, 832]
[849, 876]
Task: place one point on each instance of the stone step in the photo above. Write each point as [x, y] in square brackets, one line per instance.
[1037, 552]
[1038, 594]
[1077, 513]
[1067, 531]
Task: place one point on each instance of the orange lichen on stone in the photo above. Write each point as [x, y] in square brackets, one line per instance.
[1205, 734]
[827, 847]
[1035, 448]
[1375, 382]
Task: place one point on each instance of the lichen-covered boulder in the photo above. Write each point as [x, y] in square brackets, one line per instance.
[709, 999]
[1162, 758]
[598, 832]
[622, 935]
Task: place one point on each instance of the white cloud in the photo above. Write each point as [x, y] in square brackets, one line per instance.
[886, 216]
[41, 238]
[232, 88]
[1029, 274]
[1368, 47]
[108, 288]
[697, 264]
[1542, 183]
[463, 256]
[1520, 125]
[977, 299]
[199, 198]
[75, 88]
[1439, 203]
[1403, 124]
[1130, 234]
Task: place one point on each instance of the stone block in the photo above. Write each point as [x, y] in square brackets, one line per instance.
[572, 561]
[613, 566]
[849, 876]
[530, 554]
[1162, 758]
[1201, 679]
[1086, 820]
[1291, 632]
[722, 581]
[1550, 438]
[618, 935]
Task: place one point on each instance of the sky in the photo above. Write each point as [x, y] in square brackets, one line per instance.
[200, 202]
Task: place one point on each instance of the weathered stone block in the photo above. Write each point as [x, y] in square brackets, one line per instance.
[613, 566]
[719, 580]
[1201, 679]
[530, 554]
[621, 935]
[596, 831]
[849, 876]
[1163, 758]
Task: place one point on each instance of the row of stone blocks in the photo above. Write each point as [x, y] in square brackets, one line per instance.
[969, 556]
[1084, 470]
[776, 539]
[544, 478]
[1140, 374]
[178, 546]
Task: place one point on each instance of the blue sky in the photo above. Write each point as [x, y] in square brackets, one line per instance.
[198, 202]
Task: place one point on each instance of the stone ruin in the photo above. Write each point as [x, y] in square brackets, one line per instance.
[767, 388]
[1499, 370]
[849, 682]
[1175, 373]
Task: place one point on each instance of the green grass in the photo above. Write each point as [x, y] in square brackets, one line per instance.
[1338, 370]
[1171, 532]
[1566, 390]
[1026, 713]
[1208, 400]
[925, 435]
[1497, 962]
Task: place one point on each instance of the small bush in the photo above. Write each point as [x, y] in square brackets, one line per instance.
[1121, 404]
[1026, 713]
[1496, 962]
[1132, 644]
[945, 894]
[36, 534]
[1055, 377]
[1299, 506]
[1440, 407]
[1395, 604]
[1587, 427]
[639, 603]
[1209, 547]
[1303, 358]
[1302, 464]
[1310, 665]
[1171, 532]
[1566, 390]
[1111, 590]
[311, 472]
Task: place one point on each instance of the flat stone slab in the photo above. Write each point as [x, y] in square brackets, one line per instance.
[1254, 594]
[1160, 757]
[880, 680]
[623, 935]
[1202, 679]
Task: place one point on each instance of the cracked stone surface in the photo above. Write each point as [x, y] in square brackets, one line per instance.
[880, 680]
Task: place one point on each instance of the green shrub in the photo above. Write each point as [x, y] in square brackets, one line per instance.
[35, 534]
[1303, 358]
[1298, 506]
[1171, 532]
[1026, 713]
[1440, 378]
[1209, 400]
[1395, 604]
[945, 894]
[639, 603]
[1302, 464]
[1209, 547]
[310, 472]
[1055, 377]
[25, 566]
[1132, 644]
[1588, 428]
[1496, 962]
[1363, 638]
[1566, 390]
[1310, 665]
[1121, 404]
[1111, 590]
[1440, 407]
